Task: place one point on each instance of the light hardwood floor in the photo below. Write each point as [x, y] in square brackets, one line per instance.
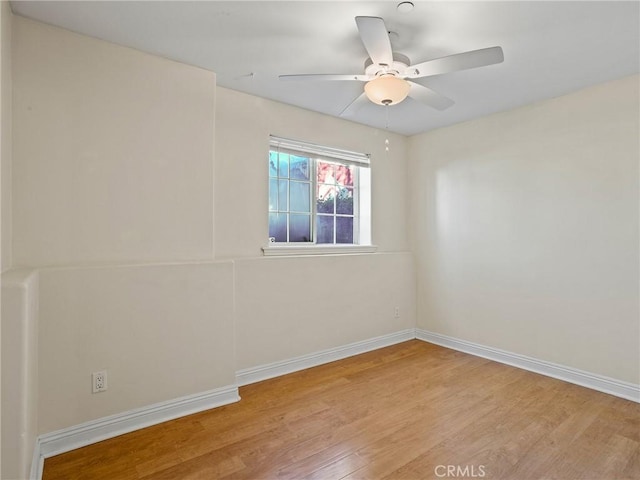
[408, 411]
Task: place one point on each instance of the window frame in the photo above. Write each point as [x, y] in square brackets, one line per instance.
[318, 153]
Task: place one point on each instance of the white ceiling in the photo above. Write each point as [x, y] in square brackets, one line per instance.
[550, 48]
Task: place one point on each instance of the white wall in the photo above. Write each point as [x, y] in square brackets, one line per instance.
[526, 230]
[287, 307]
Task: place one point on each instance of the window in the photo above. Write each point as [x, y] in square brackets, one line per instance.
[318, 195]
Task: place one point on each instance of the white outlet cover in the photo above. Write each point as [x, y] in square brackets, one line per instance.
[99, 381]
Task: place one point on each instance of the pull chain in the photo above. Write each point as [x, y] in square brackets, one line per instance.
[386, 126]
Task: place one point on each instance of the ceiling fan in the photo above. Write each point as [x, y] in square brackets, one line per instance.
[389, 75]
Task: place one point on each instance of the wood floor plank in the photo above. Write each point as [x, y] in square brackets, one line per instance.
[394, 413]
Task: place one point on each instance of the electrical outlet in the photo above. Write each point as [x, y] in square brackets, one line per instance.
[396, 312]
[99, 381]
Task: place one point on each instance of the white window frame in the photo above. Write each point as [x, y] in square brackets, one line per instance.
[321, 153]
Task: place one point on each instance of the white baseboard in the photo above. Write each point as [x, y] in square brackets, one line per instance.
[608, 385]
[68, 439]
[276, 369]
[61, 441]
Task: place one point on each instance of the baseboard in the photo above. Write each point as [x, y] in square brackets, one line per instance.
[276, 369]
[68, 439]
[600, 383]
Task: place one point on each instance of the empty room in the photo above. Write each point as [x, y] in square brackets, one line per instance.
[320, 240]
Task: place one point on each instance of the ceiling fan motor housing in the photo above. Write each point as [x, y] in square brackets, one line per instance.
[398, 68]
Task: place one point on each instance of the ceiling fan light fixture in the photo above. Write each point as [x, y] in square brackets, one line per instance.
[387, 90]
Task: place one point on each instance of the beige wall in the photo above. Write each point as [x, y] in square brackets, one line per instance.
[288, 307]
[113, 191]
[116, 193]
[526, 230]
[243, 126]
[161, 331]
[113, 152]
[20, 375]
[318, 302]
[6, 18]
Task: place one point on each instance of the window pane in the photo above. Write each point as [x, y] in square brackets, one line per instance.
[299, 196]
[273, 194]
[325, 228]
[283, 193]
[278, 226]
[326, 173]
[344, 229]
[344, 202]
[299, 228]
[344, 175]
[283, 165]
[273, 164]
[299, 167]
[325, 199]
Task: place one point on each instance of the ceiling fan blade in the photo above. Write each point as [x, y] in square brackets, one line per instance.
[460, 61]
[375, 38]
[354, 106]
[429, 97]
[325, 76]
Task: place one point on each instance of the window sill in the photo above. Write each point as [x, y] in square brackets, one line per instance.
[291, 250]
